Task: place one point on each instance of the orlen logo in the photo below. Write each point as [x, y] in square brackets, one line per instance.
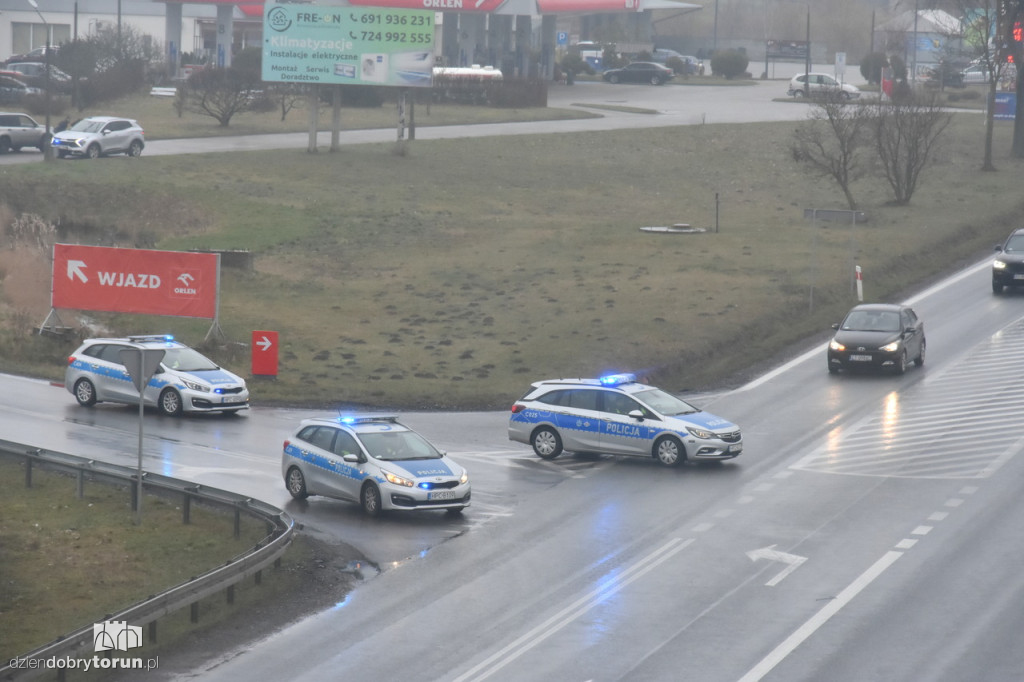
[186, 284]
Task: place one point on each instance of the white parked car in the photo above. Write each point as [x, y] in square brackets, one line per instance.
[820, 85]
[100, 135]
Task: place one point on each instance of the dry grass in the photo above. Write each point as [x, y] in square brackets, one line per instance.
[68, 561]
[454, 275]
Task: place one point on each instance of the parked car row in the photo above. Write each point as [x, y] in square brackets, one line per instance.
[90, 137]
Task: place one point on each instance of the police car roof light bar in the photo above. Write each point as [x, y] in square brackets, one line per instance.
[366, 418]
[151, 337]
[616, 379]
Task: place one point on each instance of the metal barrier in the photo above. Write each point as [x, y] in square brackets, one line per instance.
[280, 527]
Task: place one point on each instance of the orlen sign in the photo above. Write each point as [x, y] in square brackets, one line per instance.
[135, 281]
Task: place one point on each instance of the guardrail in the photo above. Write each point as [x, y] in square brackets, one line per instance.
[280, 527]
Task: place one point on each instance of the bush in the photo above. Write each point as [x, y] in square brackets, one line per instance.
[677, 65]
[729, 63]
[518, 92]
[871, 66]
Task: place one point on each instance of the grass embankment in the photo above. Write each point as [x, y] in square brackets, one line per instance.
[454, 275]
[67, 562]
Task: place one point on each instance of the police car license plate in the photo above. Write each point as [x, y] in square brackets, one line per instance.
[442, 495]
[860, 358]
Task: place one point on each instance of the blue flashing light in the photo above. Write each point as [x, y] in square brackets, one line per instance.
[366, 418]
[616, 379]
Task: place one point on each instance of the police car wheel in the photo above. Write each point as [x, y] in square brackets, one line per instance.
[546, 443]
[85, 393]
[669, 451]
[369, 499]
[170, 403]
[296, 484]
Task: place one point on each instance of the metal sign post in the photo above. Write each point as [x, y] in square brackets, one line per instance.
[141, 364]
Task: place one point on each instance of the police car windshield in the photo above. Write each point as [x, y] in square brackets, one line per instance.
[398, 445]
[187, 360]
[665, 403]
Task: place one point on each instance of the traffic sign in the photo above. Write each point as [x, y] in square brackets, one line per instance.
[141, 364]
[135, 281]
[264, 353]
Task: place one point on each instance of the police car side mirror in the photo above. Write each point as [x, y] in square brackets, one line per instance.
[835, 326]
[349, 457]
[637, 415]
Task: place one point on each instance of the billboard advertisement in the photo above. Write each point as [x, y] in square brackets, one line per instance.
[135, 281]
[348, 45]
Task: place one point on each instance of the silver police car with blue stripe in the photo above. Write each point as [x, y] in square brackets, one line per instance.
[618, 415]
[185, 381]
[373, 460]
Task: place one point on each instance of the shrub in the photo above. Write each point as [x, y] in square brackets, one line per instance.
[729, 63]
[518, 92]
[677, 65]
[871, 66]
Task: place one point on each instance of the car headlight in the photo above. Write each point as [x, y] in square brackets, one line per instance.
[835, 345]
[999, 265]
[196, 387]
[891, 347]
[700, 433]
[397, 480]
[464, 478]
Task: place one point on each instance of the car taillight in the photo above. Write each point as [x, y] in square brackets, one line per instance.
[517, 408]
[71, 359]
[287, 443]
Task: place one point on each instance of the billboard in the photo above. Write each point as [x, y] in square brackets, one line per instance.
[348, 45]
[135, 281]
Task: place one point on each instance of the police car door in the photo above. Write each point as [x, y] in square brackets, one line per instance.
[622, 434]
[579, 423]
[112, 380]
[328, 473]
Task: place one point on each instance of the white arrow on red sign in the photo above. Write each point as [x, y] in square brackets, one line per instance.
[75, 270]
[264, 343]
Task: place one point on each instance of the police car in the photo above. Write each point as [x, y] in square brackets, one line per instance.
[375, 461]
[618, 415]
[185, 381]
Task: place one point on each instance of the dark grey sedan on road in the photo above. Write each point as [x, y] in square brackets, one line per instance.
[877, 336]
[640, 72]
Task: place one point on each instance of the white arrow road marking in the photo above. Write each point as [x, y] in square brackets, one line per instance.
[772, 554]
[75, 270]
[265, 343]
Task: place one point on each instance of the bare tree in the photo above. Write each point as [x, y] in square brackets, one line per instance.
[831, 139]
[219, 93]
[906, 133]
[978, 17]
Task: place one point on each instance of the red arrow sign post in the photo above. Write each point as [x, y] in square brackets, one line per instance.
[264, 354]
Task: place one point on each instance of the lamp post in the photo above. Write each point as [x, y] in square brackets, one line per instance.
[47, 148]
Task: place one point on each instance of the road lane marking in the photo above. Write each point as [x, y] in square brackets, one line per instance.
[585, 603]
[787, 647]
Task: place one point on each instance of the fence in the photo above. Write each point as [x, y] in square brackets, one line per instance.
[280, 527]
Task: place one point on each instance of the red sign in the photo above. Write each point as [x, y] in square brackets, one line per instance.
[264, 353]
[436, 5]
[135, 281]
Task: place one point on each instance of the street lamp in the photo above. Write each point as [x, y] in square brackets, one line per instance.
[47, 148]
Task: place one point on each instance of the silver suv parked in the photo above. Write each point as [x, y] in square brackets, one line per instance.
[99, 136]
[20, 130]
